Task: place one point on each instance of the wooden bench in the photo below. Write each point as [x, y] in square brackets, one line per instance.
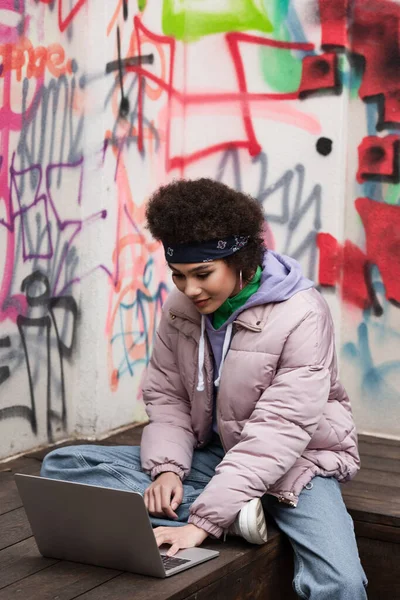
[240, 572]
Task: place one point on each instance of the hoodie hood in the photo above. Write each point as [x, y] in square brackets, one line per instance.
[281, 279]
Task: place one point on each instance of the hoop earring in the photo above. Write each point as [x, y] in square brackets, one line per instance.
[241, 279]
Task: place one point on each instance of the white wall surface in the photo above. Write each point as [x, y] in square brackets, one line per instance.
[221, 98]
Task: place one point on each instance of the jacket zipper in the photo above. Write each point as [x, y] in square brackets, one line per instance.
[218, 423]
[173, 315]
[284, 500]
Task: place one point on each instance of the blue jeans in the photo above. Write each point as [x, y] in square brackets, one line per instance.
[327, 565]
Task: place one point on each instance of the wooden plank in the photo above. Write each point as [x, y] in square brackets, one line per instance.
[9, 496]
[372, 439]
[383, 500]
[14, 466]
[387, 465]
[364, 514]
[21, 560]
[63, 580]
[381, 562]
[235, 555]
[254, 581]
[14, 527]
[129, 437]
[382, 450]
[381, 478]
[377, 531]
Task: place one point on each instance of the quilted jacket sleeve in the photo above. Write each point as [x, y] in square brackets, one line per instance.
[279, 429]
[168, 440]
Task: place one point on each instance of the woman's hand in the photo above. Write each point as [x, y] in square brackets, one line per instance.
[187, 536]
[164, 495]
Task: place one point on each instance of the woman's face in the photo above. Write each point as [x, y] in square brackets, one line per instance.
[207, 285]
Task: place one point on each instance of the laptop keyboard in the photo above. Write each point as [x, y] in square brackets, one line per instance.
[170, 562]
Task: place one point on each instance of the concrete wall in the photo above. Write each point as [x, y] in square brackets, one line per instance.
[293, 101]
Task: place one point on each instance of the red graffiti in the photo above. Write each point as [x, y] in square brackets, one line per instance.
[142, 35]
[354, 277]
[374, 34]
[330, 259]
[16, 57]
[370, 32]
[382, 231]
[319, 72]
[344, 265]
[348, 265]
[240, 97]
[64, 22]
[234, 41]
[333, 18]
[378, 158]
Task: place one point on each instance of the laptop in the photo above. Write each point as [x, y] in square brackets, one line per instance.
[99, 526]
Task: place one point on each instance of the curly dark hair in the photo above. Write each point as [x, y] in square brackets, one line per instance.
[201, 210]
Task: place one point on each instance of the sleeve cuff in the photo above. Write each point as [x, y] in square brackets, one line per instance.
[165, 468]
[213, 530]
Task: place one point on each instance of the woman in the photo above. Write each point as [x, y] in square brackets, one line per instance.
[242, 396]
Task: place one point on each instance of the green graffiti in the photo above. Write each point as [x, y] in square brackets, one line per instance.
[393, 194]
[355, 83]
[281, 69]
[350, 76]
[277, 11]
[142, 5]
[190, 20]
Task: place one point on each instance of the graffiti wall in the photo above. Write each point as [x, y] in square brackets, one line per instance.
[296, 102]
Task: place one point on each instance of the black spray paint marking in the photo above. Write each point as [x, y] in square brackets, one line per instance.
[376, 306]
[126, 141]
[37, 289]
[124, 104]
[324, 146]
[125, 9]
[5, 342]
[131, 61]
[4, 374]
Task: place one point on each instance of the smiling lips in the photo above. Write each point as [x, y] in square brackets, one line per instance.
[201, 302]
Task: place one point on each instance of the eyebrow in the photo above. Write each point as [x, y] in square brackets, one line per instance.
[194, 270]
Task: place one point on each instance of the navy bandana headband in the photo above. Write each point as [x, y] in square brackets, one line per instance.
[204, 251]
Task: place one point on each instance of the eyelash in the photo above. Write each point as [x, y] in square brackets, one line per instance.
[200, 276]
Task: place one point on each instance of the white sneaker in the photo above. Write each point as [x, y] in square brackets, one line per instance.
[250, 523]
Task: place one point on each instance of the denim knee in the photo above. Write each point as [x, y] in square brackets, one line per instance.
[56, 460]
[349, 587]
[333, 586]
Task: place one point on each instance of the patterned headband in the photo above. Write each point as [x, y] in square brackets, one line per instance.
[204, 251]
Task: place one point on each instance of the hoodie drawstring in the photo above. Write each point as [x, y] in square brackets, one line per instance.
[225, 348]
[200, 377]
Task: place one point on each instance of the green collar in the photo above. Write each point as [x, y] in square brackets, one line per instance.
[230, 305]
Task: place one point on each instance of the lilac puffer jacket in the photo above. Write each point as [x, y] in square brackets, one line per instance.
[283, 416]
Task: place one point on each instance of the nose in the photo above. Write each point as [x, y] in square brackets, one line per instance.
[192, 289]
